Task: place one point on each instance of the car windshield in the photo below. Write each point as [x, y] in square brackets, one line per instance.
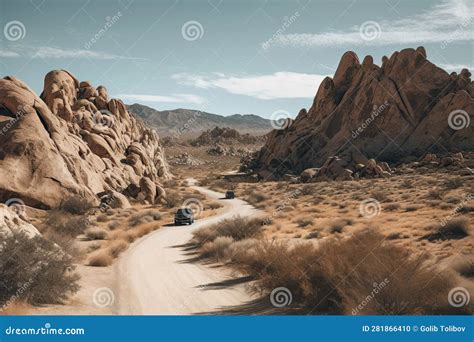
[185, 211]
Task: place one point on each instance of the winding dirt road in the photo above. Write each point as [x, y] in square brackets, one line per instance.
[154, 277]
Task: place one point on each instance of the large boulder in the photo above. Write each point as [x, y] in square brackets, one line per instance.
[60, 144]
[406, 107]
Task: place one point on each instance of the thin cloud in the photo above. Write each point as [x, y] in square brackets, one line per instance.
[173, 98]
[55, 52]
[280, 85]
[449, 21]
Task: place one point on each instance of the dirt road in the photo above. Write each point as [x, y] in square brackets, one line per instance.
[154, 277]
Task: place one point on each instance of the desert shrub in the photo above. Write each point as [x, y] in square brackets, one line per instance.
[114, 225]
[456, 228]
[216, 249]
[102, 218]
[144, 217]
[67, 244]
[100, 258]
[392, 206]
[77, 205]
[173, 199]
[305, 221]
[413, 207]
[238, 228]
[453, 183]
[255, 197]
[35, 270]
[435, 194]
[337, 226]
[313, 235]
[94, 233]
[341, 273]
[117, 247]
[214, 205]
[66, 224]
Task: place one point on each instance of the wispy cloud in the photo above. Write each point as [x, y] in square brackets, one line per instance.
[449, 21]
[8, 54]
[265, 87]
[55, 52]
[173, 98]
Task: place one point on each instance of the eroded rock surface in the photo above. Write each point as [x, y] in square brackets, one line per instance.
[72, 140]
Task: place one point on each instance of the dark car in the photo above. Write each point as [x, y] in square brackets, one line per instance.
[183, 216]
[229, 195]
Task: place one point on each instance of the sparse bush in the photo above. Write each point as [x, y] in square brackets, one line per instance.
[313, 235]
[35, 270]
[117, 247]
[303, 222]
[114, 225]
[216, 249]
[392, 206]
[66, 224]
[339, 274]
[173, 199]
[102, 218]
[238, 228]
[456, 228]
[77, 205]
[214, 205]
[94, 233]
[100, 258]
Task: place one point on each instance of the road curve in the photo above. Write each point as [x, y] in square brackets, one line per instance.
[152, 278]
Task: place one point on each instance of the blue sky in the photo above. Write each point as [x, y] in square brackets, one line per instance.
[222, 56]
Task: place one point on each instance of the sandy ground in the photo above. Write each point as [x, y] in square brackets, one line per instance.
[155, 276]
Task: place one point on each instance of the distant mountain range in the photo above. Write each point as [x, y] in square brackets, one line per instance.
[193, 122]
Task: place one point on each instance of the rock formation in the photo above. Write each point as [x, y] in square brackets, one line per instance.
[225, 135]
[72, 140]
[404, 108]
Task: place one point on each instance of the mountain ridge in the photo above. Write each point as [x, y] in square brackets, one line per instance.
[200, 121]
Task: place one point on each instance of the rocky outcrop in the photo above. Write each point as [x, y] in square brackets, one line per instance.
[404, 108]
[12, 223]
[71, 140]
[225, 135]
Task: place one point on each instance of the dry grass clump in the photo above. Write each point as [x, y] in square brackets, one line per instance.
[117, 247]
[340, 274]
[144, 217]
[456, 228]
[256, 198]
[213, 205]
[173, 199]
[216, 249]
[77, 205]
[305, 221]
[391, 206]
[100, 258]
[66, 224]
[95, 233]
[237, 228]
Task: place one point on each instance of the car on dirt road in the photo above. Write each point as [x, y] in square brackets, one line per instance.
[229, 194]
[184, 216]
